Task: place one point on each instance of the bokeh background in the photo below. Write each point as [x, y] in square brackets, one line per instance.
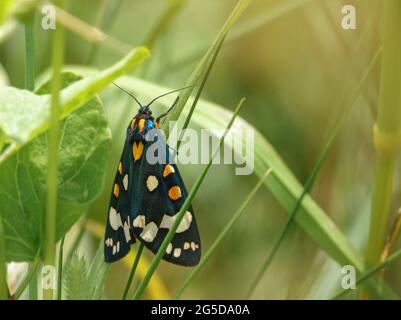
[297, 70]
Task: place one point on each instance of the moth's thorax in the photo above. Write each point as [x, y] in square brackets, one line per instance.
[140, 126]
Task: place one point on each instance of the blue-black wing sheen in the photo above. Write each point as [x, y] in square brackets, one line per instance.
[119, 235]
[151, 195]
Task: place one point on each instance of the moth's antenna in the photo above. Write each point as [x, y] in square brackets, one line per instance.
[165, 94]
[129, 93]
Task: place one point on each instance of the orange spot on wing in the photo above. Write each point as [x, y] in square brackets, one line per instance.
[120, 168]
[116, 190]
[174, 193]
[141, 125]
[137, 150]
[167, 170]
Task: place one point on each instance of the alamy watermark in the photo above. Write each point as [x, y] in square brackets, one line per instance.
[348, 21]
[348, 281]
[197, 147]
[49, 17]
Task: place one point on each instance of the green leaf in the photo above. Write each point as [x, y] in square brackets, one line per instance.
[83, 156]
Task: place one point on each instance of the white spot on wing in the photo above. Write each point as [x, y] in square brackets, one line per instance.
[139, 221]
[118, 246]
[193, 246]
[114, 219]
[148, 233]
[152, 183]
[184, 225]
[125, 182]
[177, 252]
[186, 245]
[169, 248]
[114, 249]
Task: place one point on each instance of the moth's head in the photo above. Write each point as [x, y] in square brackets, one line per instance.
[145, 110]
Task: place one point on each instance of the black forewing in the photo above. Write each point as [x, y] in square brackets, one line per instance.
[156, 205]
[118, 224]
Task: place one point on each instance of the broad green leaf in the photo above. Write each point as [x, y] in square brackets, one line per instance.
[83, 156]
[21, 113]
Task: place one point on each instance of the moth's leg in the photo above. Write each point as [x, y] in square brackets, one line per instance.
[168, 111]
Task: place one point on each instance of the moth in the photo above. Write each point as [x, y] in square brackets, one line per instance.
[147, 196]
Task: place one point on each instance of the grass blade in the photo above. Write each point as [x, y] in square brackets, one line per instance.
[60, 269]
[160, 253]
[49, 236]
[243, 29]
[29, 53]
[133, 270]
[202, 66]
[170, 11]
[221, 236]
[198, 93]
[107, 16]
[312, 177]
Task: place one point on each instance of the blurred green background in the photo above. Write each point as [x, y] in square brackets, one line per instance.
[296, 70]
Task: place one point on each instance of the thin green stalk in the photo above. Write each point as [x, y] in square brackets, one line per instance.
[60, 270]
[316, 169]
[387, 131]
[196, 76]
[3, 266]
[243, 29]
[33, 285]
[199, 92]
[221, 236]
[49, 239]
[32, 272]
[133, 270]
[371, 272]
[170, 11]
[107, 15]
[160, 253]
[29, 54]
[30, 85]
